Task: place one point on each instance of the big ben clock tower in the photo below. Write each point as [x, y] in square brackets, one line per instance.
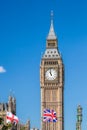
[52, 82]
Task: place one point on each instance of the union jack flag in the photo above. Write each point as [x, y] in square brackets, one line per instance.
[49, 116]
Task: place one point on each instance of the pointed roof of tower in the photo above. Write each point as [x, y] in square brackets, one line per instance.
[51, 35]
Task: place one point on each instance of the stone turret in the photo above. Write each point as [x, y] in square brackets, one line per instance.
[24, 126]
[79, 118]
[12, 105]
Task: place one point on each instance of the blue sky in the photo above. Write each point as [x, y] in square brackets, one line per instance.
[24, 25]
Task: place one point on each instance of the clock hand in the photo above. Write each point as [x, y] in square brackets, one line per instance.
[50, 72]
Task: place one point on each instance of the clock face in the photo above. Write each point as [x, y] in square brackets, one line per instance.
[51, 74]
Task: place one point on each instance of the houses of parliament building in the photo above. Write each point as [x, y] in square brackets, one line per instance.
[11, 107]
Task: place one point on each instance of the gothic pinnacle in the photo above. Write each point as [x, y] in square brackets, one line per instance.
[51, 35]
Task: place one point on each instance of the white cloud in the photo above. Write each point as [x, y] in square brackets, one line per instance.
[2, 70]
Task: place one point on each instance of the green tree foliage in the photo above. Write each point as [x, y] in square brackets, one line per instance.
[1, 120]
[4, 127]
[22, 128]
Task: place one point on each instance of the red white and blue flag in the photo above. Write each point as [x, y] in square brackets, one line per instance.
[49, 116]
